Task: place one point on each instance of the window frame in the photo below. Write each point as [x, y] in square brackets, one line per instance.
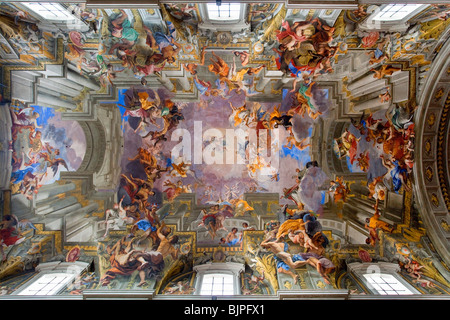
[213, 19]
[226, 268]
[67, 15]
[30, 288]
[359, 270]
[225, 277]
[417, 7]
[370, 24]
[73, 269]
[386, 287]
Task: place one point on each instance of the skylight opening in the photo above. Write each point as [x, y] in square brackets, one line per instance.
[224, 12]
[396, 12]
[49, 11]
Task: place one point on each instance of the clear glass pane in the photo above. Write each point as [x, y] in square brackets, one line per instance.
[51, 11]
[394, 12]
[387, 284]
[226, 11]
[217, 284]
[48, 284]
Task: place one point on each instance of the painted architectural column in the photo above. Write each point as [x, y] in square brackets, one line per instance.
[360, 82]
[51, 190]
[166, 82]
[371, 104]
[82, 80]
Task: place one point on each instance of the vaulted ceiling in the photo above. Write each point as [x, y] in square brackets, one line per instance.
[120, 121]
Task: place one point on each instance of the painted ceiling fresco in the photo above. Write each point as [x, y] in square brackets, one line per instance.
[281, 141]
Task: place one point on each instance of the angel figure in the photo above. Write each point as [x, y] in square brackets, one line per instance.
[300, 145]
[158, 136]
[51, 158]
[219, 66]
[114, 217]
[285, 261]
[314, 254]
[347, 145]
[373, 238]
[138, 190]
[304, 95]
[181, 287]
[148, 109]
[25, 117]
[240, 207]
[375, 223]
[377, 190]
[146, 158]
[413, 268]
[240, 115]
[340, 189]
[182, 169]
[397, 172]
[243, 56]
[385, 70]
[378, 55]
[173, 190]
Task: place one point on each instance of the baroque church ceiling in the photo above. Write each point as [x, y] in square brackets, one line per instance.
[145, 142]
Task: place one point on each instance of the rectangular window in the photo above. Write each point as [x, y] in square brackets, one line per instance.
[48, 284]
[387, 284]
[394, 12]
[49, 11]
[217, 284]
[226, 11]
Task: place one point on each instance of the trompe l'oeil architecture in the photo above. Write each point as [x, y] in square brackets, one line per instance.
[275, 150]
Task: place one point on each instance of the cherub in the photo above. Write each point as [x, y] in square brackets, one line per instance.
[413, 268]
[363, 161]
[385, 97]
[292, 142]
